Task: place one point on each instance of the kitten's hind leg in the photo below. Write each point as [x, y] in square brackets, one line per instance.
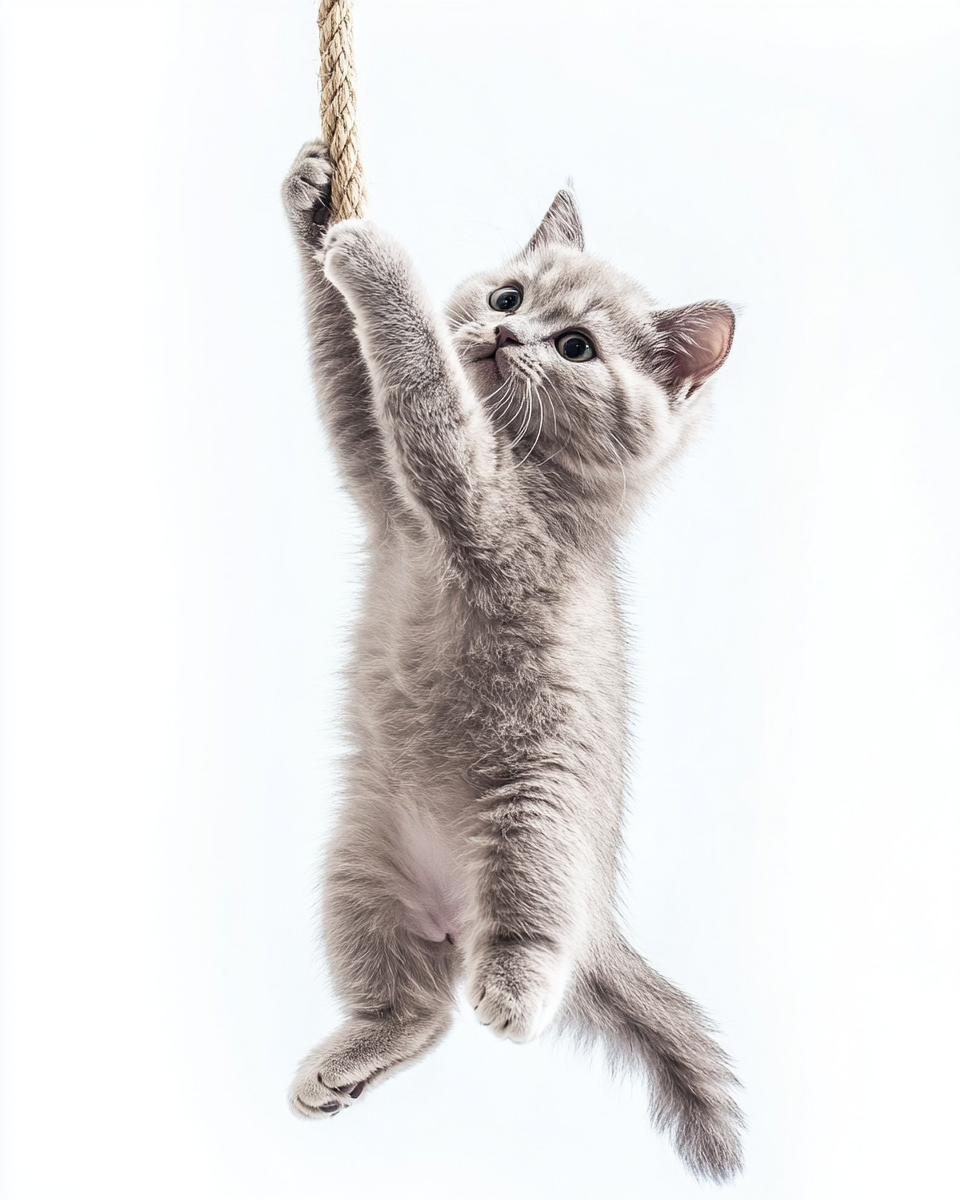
[398, 987]
[363, 1050]
[517, 987]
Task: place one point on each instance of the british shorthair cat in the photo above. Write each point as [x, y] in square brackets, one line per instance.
[497, 454]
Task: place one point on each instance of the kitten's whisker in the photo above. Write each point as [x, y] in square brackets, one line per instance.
[526, 409]
[533, 444]
[510, 400]
[515, 401]
[485, 400]
[620, 464]
[507, 400]
[457, 309]
[541, 386]
[553, 412]
[569, 431]
[528, 405]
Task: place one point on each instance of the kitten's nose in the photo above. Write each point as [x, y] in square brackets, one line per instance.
[505, 336]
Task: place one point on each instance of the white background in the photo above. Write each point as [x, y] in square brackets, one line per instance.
[179, 572]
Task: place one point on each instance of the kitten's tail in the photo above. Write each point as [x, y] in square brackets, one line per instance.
[645, 1022]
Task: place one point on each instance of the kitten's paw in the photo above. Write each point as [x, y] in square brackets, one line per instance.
[306, 192]
[364, 263]
[517, 989]
[318, 1090]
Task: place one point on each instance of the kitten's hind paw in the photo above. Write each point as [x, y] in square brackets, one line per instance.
[312, 1096]
[517, 989]
[363, 1051]
[306, 192]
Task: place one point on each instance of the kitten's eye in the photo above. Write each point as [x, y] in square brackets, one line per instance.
[506, 299]
[575, 346]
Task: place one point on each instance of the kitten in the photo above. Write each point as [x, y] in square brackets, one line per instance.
[497, 456]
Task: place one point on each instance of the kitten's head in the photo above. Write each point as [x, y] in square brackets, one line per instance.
[580, 372]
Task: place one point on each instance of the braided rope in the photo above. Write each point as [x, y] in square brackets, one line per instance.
[338, 109]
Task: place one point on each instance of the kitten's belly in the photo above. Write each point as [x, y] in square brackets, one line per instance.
[431, 880]
[418, 733]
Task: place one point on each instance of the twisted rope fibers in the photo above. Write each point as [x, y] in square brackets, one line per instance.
[338, 109]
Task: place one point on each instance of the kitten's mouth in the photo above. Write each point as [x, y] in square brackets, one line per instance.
[489, 357]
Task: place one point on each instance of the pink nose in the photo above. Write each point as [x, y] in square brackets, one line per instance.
[506, 336]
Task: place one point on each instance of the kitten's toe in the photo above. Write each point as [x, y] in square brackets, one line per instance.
[311, 1095]
[312, 1098]
[357, 256]
[516, 991]
[306, 191]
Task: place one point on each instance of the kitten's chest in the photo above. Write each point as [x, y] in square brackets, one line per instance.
[435, 671]
[428, 629]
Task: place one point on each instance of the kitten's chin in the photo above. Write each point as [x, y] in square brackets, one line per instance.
[483, 373]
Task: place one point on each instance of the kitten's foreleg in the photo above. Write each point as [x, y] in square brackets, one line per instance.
[440, 444]
[441, 449]
[342, 379]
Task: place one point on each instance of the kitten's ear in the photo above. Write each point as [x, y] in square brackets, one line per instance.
[694, 341]
[561, 225]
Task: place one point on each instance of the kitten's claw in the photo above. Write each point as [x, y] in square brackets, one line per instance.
[306, 192]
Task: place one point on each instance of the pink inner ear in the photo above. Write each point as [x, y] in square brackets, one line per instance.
[700, 336]
[716, 343]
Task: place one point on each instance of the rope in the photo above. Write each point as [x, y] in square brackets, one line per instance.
[338, 109]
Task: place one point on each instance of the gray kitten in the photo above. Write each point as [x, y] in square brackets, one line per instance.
[497, 456]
